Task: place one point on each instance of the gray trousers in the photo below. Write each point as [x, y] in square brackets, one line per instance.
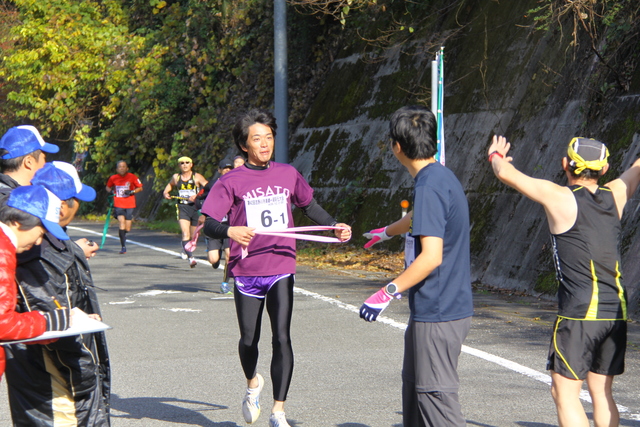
[429, 373]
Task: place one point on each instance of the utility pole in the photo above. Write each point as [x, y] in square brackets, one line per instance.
[281, 89]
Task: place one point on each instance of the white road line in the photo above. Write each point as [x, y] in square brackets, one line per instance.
[186, 310]
[133, 242]
[155, 292]
[513, 366]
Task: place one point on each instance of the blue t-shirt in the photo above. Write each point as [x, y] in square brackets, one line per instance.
[440, 209]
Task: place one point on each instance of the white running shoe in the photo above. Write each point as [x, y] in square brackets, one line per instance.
[251, 402]
[192, 262]
[278, 419]
[183, 255]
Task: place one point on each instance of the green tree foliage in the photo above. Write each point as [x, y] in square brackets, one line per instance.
[59, 60]
[150, 80]
[611, 29]
[146, 81]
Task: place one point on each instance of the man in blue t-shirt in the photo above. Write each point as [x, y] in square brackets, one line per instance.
[437, 276]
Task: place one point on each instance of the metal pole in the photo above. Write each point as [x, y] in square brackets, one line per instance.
[440, 114]
[280, 80]
[434, 87]
[405, 206]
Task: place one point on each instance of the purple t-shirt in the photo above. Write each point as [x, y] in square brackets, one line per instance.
[260, 199]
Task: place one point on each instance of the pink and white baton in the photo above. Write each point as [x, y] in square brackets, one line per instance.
[191, 244]
[293, 233]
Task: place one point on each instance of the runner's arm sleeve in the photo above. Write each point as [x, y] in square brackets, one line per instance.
[214, 229]
[317, 214]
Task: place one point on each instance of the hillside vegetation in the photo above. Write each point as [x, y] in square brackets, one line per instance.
[150, 80]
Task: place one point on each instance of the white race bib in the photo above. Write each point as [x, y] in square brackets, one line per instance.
[120, 189]
[267, 213]
[409, 250]
[185, 194]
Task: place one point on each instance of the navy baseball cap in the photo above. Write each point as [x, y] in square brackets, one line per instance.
[62, 179]
[225, 164]
[22, 140]
[41, 203]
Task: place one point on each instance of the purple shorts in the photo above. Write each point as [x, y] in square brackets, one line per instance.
[257, 286]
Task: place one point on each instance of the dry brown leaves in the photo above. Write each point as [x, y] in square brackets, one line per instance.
[350, 258]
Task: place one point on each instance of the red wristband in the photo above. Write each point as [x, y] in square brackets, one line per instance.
[495, 153]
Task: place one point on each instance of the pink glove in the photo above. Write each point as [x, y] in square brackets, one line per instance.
[374, 305]
[377, 235]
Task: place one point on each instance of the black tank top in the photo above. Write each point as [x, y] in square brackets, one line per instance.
[187, 188]
[587, 260]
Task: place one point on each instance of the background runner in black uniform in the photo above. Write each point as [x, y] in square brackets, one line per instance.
[216, 246]
[589, 336]
[188, 184]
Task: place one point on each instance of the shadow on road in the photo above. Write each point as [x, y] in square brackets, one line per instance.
[530, 424]
[155, 266]
[166, 409]
[474, 423]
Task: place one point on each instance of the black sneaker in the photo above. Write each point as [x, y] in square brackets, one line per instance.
[123, 250]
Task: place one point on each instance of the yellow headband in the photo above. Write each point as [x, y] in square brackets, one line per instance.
[582, 164]
[185, 159]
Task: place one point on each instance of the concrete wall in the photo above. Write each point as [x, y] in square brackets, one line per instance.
[501, 77]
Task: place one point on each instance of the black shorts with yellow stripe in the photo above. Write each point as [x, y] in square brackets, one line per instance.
[188, 212]
[582, 346]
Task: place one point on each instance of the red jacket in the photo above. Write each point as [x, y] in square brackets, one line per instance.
[14, 325]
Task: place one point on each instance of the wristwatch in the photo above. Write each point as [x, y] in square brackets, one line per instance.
[391, 289]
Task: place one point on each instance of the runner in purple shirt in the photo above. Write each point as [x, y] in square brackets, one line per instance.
[260, 194]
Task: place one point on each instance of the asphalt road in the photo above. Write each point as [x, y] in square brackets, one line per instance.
[174, 340]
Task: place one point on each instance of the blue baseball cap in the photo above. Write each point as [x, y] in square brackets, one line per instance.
[41, 203]
[62, 179]
[22, 140]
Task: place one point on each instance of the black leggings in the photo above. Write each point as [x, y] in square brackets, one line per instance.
[279, 301]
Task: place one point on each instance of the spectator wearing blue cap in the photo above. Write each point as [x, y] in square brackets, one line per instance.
[73, 372]
[54, 177]
[22, 153]
[24, 216]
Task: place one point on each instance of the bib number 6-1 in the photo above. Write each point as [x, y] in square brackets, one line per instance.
[267, 220]
[267, 213]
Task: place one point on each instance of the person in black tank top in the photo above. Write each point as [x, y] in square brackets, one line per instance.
[188, 184]
[589, 336]
[587, 260]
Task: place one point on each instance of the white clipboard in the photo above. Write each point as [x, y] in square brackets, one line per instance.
[81, 324]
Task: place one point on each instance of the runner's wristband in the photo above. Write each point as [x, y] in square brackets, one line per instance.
[495, 153]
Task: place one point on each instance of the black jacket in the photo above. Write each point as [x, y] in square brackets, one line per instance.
[7, 184]
[58, 269]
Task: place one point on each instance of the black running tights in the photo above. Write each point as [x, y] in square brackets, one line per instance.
[279, 301]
